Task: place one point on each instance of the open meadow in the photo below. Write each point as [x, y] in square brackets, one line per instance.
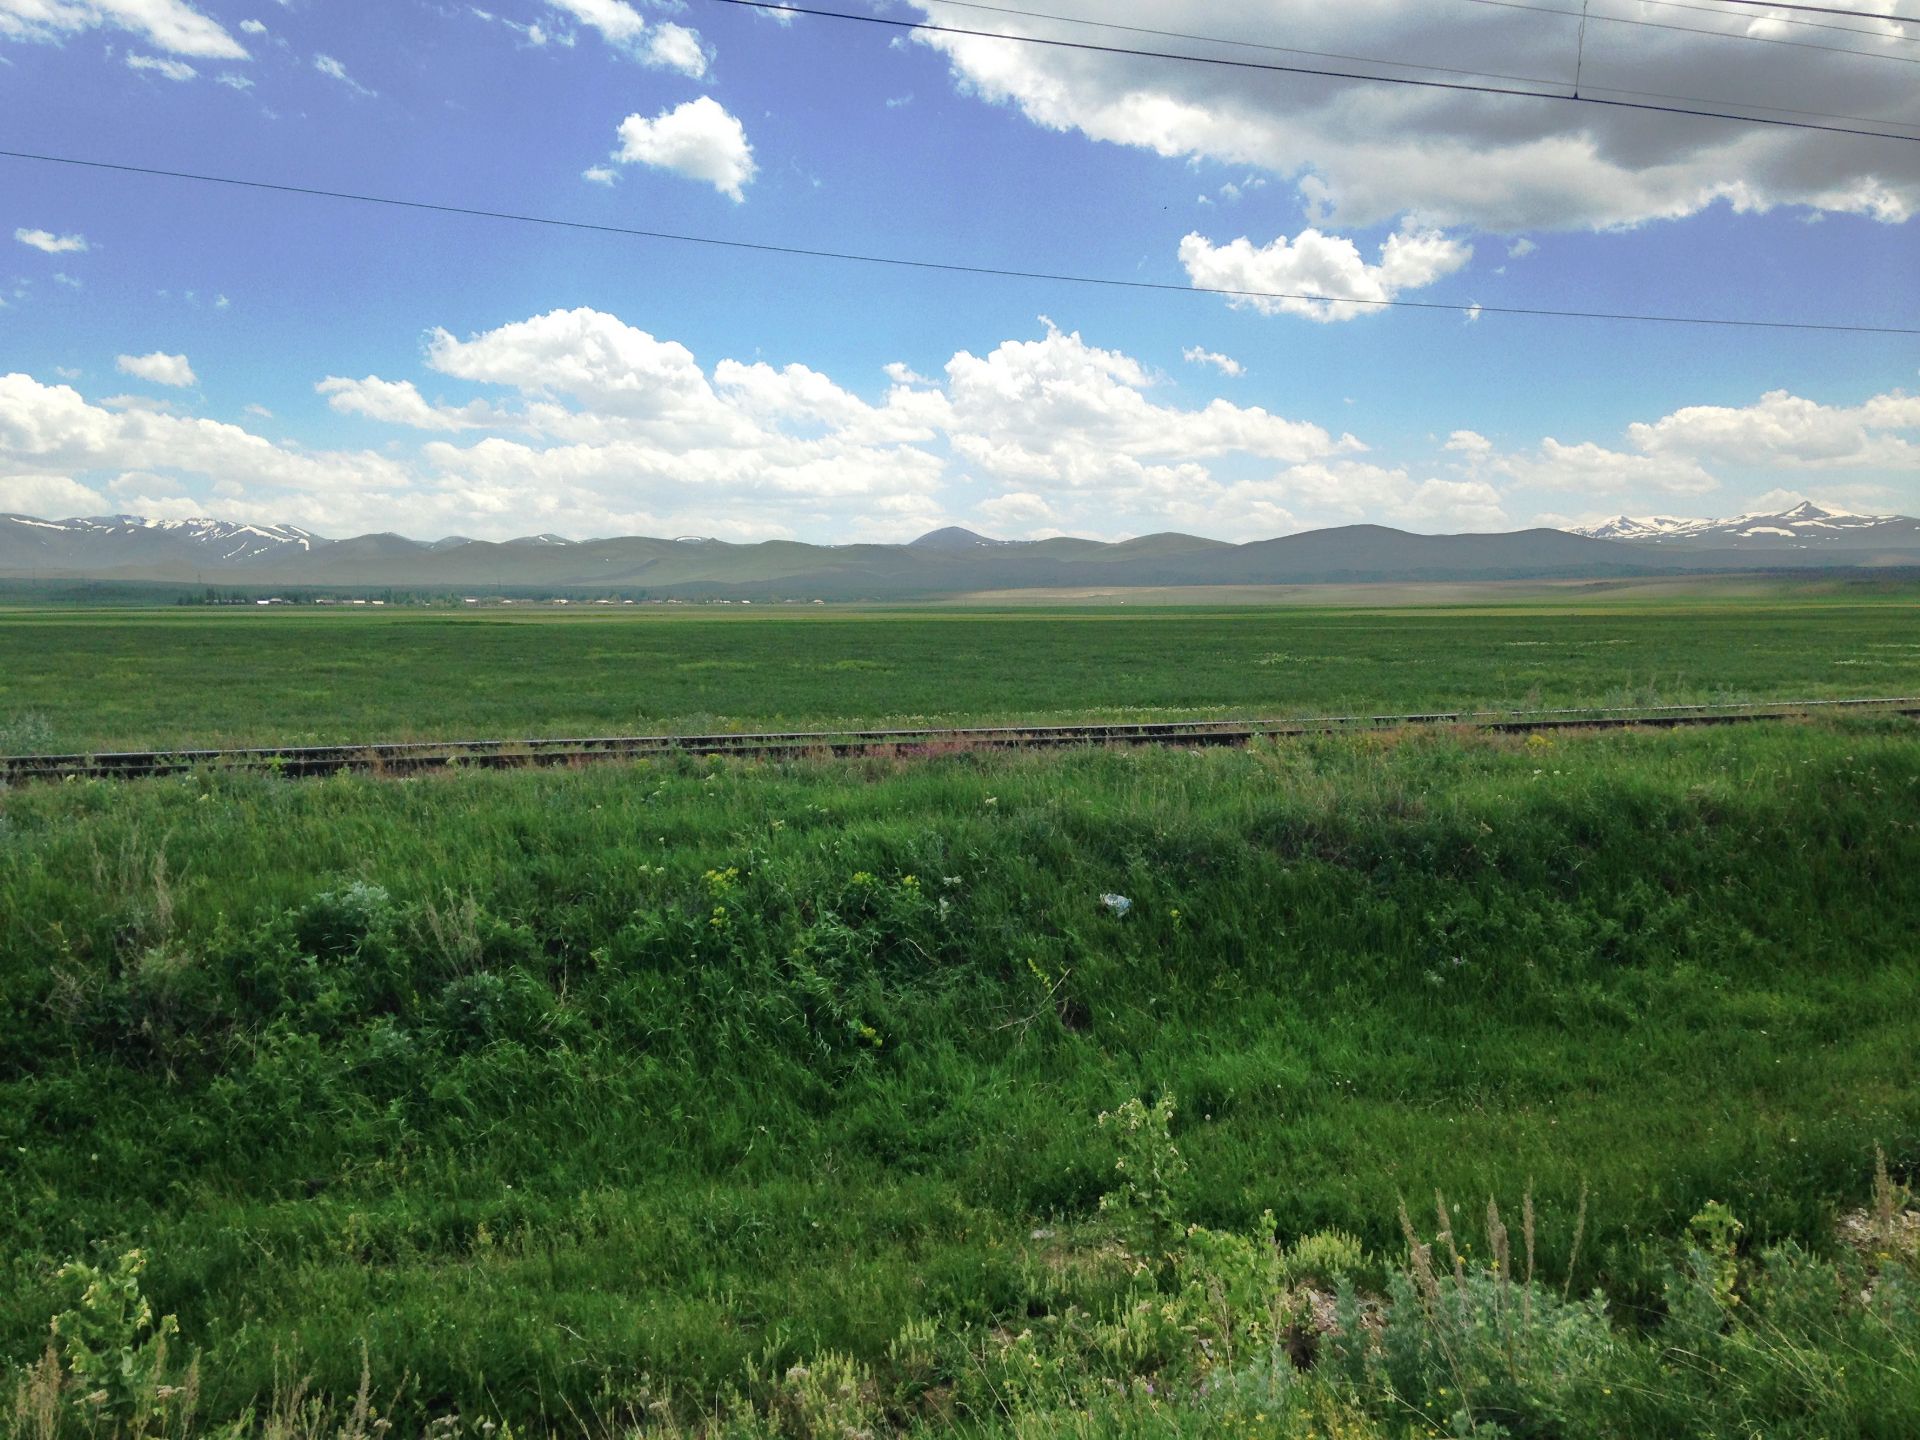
[755, 720]
[93, 680]
[766, 1099]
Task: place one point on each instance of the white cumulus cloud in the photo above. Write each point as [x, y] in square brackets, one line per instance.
[1315, 264]
[170, 25]
[1017, 509]
[663, 44]
[399, 402]
[1699, 449]
[53, 434]
[1365, 153]
[1588, 468]
[575, 421]
[1076, 425]
[52, 496]
[675, 47]
[1225, 364]
[1355, 491]
[596, 426]
[618, 21]
[159, 368]
[160, 65]
[51, 243]
[335, 70]
[698, 139]
[1785, 431]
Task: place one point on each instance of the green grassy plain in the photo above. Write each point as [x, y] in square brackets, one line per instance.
[80, 680]
[601, 1101]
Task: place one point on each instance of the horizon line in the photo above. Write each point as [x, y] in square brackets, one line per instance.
[550, 537]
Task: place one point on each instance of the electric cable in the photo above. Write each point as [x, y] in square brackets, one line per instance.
[1469, 307]
[779, 7]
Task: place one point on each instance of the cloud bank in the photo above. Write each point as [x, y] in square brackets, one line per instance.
[578, 422]
[1364, 154]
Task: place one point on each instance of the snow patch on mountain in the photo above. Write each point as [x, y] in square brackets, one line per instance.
[1803, 524]
[218, 540]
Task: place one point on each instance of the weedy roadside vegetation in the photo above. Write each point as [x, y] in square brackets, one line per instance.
[1170, 1331]
[748, 1099]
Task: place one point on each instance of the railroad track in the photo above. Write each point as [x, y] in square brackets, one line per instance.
[416, 757]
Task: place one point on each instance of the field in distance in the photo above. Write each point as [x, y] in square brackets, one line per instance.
[1391, 594]
[185, 677]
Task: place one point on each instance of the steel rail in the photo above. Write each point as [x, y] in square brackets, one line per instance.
[420, 756]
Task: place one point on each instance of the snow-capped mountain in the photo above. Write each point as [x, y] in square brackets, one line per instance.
[228, 539]
[120, 542]
[204, 552]
[1805, 526]
[209, 551]
[1641, 527]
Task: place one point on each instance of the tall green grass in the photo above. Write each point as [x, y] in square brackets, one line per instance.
[554, 1088]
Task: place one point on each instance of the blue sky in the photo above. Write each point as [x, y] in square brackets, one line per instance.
[176, 349]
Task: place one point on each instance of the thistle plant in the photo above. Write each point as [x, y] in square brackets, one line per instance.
[1149, 1167]
[110, 1343]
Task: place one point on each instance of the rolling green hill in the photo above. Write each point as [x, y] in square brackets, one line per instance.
[124, 549]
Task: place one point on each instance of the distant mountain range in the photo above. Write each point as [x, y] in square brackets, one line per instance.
[125, 548]
[122, 541]
[1806, 526]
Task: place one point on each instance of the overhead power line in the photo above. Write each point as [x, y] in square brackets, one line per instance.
[1821, 10]
[1478, 74]
[1739, 35]
[1773, 109]
[1246, 44]
[1272, 67]
[1504, 4]
[1456, 307]
[1791, 20]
